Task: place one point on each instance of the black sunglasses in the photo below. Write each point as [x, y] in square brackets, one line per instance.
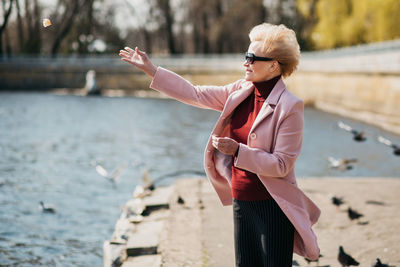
[250, 58]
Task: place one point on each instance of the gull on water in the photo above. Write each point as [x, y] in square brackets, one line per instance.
[358, 136]
[385, 141]
[341, 164]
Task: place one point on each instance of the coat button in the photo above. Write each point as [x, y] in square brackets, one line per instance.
[253, 136]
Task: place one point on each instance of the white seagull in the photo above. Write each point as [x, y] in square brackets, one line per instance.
[114, 175]
[385, 141]
[341, 164]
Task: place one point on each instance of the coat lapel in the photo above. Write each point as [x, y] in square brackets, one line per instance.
[237, 97]
[271, 100]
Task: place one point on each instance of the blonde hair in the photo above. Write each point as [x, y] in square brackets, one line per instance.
[280, 43]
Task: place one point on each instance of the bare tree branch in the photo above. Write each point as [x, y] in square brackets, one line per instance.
[6, 15]
[68, 19]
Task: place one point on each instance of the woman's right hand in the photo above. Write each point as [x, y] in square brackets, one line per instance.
[139, 59]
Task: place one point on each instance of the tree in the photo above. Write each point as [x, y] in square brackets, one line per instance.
[6, 16]
[307, 19]
[167, 23]
[33, 17]
[71, 8]
[351, 22]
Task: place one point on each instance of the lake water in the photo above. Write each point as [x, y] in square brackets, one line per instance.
[49, 145]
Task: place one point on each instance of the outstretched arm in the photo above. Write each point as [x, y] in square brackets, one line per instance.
[175, 86]
[139, 59]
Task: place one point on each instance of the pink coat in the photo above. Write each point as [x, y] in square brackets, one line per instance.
[273, 145]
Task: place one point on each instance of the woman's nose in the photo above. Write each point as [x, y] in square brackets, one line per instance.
[245, 63]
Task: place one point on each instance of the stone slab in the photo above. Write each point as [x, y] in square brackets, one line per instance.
[143, 261]
[160, 196]
[111, 253]
[159, 199]
[145, 239]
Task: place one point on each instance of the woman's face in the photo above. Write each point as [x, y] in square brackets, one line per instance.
[260, 70]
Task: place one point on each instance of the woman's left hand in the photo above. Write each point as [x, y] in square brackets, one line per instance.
[225, 144]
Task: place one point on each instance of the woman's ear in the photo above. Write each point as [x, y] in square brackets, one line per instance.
[272, 68]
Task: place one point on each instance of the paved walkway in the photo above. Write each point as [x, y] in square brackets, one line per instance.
[198, 233]
[217, 228]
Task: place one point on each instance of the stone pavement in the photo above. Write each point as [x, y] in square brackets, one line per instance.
[217, 229]
[196, 231]
[199, 232]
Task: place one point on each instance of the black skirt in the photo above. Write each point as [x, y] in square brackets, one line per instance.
[263, 234]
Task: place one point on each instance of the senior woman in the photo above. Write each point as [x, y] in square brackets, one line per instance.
[251, 153]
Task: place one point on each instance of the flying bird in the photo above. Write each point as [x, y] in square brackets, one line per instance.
[353, 215]
[47, 208]
[114, 175]
[358, 136]
[345, 259]
[341, 164]
[385, 141]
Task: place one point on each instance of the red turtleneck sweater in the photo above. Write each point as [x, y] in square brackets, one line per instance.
[246, 185]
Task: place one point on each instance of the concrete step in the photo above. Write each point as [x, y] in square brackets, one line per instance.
[143, 261]
[145, 239]
[112, 253]
[159, 199]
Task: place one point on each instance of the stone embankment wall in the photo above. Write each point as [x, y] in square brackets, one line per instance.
[359, 82]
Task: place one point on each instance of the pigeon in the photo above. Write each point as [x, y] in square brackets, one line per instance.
[378, 263]
[337, 201]
[396, 148]
[180, 200]
[353, 214]
[345, 259]
[46, 208]
[114, 175]
[358, 136]
[317, 260]
[341, 164]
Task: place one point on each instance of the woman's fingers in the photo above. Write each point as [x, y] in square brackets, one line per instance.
[224, 144]
[129, 49]
[139, 59]
[124, 52]
[142, 53]
[223, 140]
[130, 53]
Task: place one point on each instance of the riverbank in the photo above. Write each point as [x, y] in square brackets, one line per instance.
[199, 232]
[360, 96]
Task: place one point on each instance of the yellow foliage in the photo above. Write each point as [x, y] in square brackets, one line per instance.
[351, 22]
